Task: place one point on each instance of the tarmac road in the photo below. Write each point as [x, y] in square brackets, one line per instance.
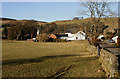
[111, 47]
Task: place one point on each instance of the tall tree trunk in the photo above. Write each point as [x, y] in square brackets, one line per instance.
[94, 40]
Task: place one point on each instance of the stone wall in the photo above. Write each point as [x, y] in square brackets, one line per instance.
[110, 61]
[93, 50]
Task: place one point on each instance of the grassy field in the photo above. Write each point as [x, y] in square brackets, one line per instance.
[30, 59]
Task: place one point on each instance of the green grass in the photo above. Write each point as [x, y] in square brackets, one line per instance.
[30, 59]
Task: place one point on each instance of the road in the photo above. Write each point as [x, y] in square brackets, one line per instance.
[111, 47]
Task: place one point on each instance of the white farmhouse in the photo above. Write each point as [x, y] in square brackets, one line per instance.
[68, 36]
[100, 37]
[115, 39]
[78, 36]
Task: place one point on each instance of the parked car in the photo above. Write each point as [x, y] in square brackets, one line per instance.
[111, 41]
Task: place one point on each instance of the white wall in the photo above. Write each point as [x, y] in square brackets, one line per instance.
[115, 39]
[78, 36]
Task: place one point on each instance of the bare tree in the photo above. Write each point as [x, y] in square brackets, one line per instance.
[96, 11]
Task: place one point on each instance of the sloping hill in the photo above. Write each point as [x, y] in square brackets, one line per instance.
[68, 25]
[13, 21]
[111, 22]
[72, 21]
[4, 19]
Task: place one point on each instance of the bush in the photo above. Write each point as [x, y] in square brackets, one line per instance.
[45, 38]
[42, 37]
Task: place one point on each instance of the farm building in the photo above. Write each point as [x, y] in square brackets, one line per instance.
[78, 36]
[77, 18]
[101, 37]
[115, 39]
[69, 36]
[58, 36]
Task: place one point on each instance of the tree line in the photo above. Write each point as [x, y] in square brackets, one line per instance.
[20, 30]
[26, 30]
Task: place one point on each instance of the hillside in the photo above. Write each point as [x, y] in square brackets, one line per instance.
[111, 22]
[12, 21]
[72, 26]
[4, 19]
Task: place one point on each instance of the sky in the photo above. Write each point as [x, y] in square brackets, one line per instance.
[45, 11]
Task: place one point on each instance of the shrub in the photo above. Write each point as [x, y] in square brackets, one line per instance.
[42, 37]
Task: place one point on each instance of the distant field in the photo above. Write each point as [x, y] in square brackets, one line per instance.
[30, 59]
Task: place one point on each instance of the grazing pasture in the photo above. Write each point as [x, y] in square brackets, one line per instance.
[31, 59]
